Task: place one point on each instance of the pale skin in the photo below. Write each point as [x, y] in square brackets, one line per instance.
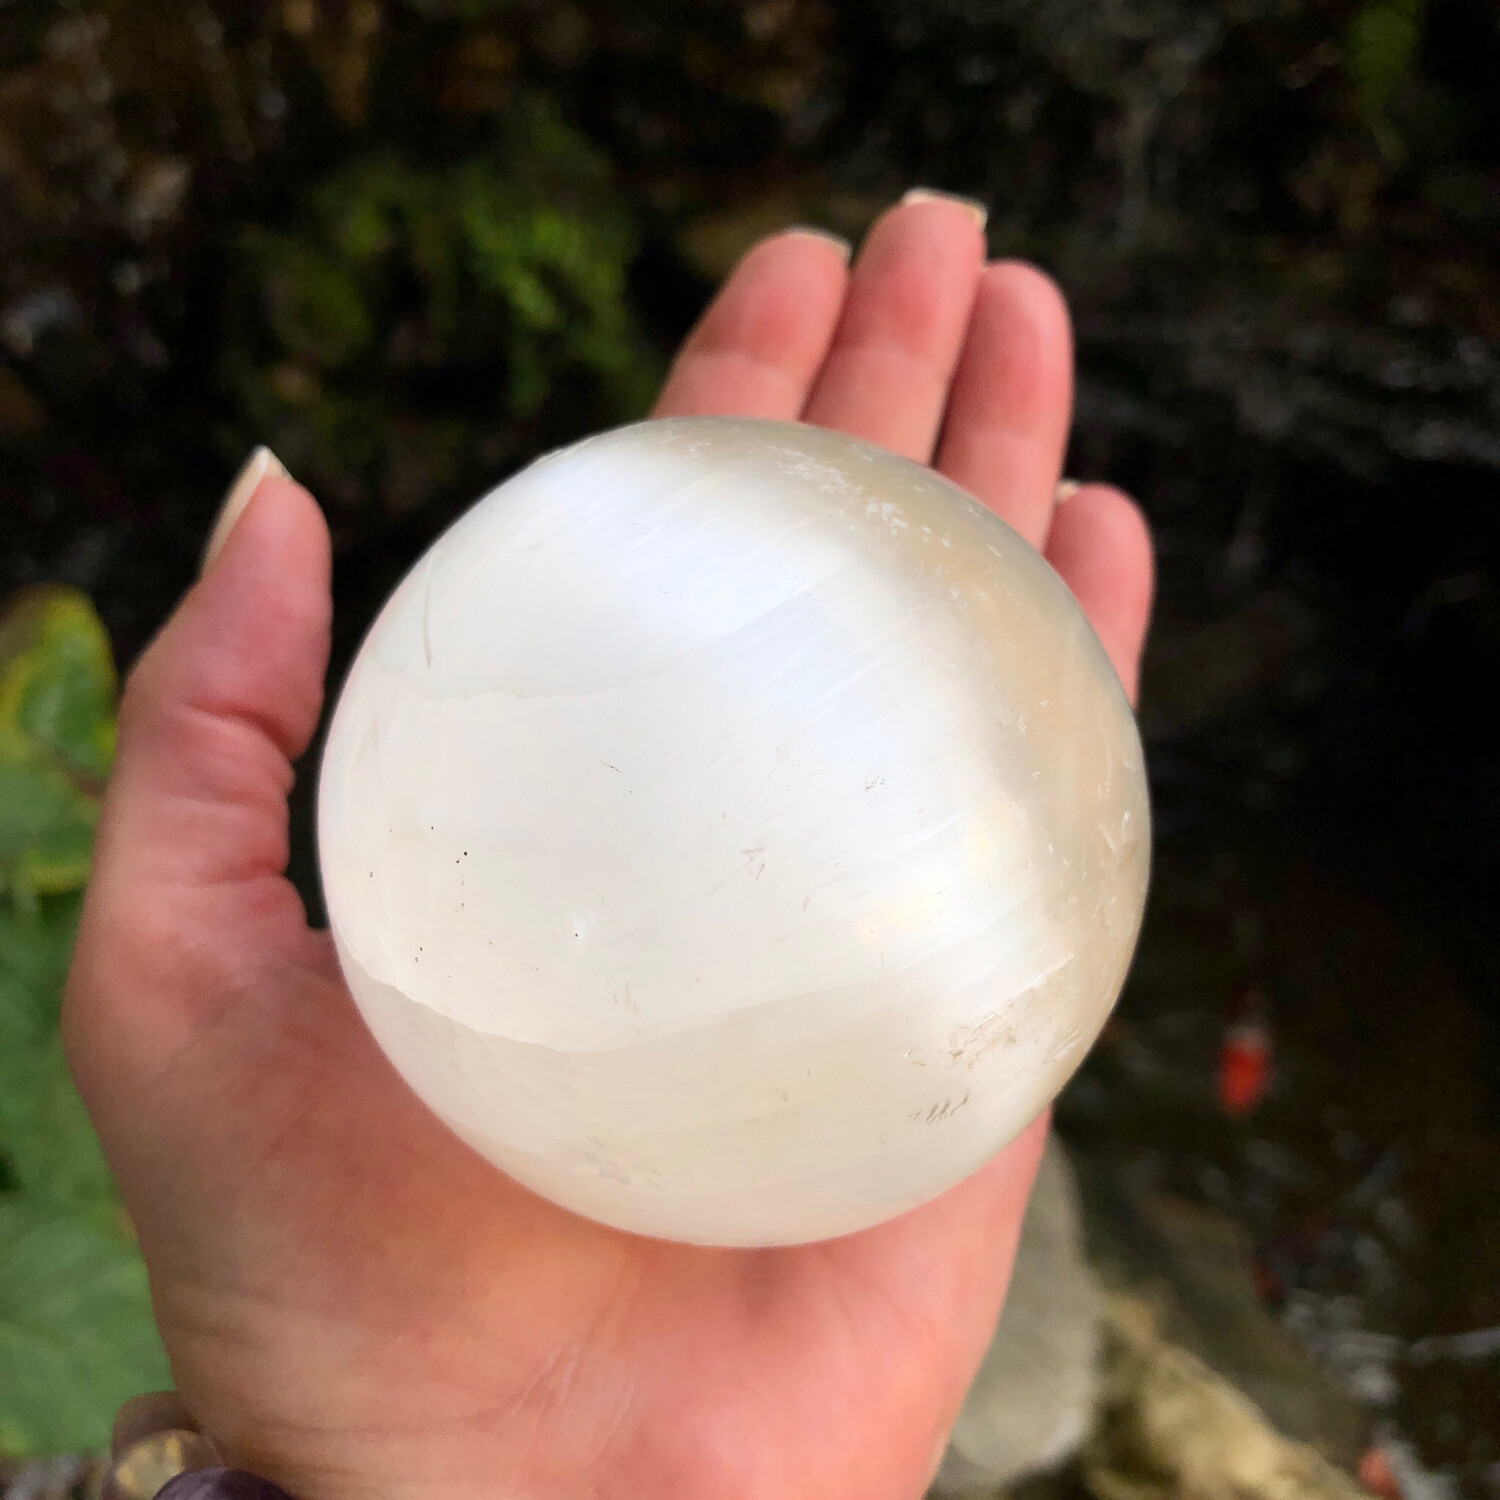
[355, 1304]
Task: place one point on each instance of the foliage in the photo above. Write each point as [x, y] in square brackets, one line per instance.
[1381, 49]
[400, 335]
[56, 737]
[76, 1335]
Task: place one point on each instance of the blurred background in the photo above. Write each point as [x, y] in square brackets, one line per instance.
[412, 243]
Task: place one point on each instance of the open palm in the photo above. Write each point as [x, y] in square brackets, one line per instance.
[353, 1302]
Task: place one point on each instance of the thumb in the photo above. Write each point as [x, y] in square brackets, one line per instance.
[224, 699]
[192, 841]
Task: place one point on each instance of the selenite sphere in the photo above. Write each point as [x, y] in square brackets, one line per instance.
[734, 832]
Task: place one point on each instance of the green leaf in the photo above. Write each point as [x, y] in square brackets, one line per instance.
[35, 946]
[76, 1336]
[50, 1147]
[76, 1333]
[46, 829]
[57, 680]
[57, 689]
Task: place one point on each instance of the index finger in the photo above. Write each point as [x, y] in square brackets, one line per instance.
[758, 347]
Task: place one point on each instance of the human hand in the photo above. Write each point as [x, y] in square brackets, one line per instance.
[354, 1303]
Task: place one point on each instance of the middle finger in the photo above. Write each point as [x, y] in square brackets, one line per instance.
[898, 338]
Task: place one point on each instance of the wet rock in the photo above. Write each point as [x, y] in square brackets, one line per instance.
[1033, 1401]
[1136, 1357]
[1192, 1266]
[1173, 1429]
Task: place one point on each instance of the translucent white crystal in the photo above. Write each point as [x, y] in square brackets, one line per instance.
[734, 832]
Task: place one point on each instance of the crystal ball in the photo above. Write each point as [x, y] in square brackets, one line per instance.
[734, 832]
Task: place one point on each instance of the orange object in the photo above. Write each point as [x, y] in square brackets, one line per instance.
[1376, 1474]
[1268, 1285]
[1244, 1067]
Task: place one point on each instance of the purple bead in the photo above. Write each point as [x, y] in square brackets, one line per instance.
[220, 1484]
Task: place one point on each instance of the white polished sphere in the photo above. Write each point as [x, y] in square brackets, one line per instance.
[734, 832]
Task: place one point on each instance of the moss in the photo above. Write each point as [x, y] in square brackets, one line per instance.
[411, 323]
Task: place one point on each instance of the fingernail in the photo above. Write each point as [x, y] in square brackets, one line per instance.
[972, 206]
[838, 242]
[261, 464]
[1066, 489]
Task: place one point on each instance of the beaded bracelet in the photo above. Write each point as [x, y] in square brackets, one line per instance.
[157, 1453]
[220, 1484]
